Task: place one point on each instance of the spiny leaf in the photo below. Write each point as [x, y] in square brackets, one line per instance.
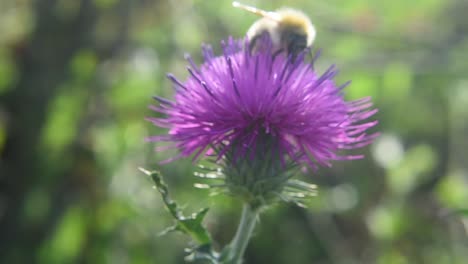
[191, 225]
[203, 252]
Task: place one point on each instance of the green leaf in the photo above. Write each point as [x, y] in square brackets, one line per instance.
[190, 225]
[462, 212]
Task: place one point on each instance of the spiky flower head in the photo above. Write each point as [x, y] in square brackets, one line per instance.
[261, 114]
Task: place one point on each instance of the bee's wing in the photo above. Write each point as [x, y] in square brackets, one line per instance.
[259, 12]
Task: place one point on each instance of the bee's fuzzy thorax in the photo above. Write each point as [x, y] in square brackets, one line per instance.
[297, 20]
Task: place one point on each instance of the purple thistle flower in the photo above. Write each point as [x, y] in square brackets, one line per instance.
[239, 102]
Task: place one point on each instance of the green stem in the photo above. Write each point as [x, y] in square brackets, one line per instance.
[243, 234]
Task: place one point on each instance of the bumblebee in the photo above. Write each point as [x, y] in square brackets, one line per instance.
[289, 29]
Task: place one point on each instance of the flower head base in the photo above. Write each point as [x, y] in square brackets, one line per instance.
[262, 114]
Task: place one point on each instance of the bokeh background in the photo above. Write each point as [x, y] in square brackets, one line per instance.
[76, 77]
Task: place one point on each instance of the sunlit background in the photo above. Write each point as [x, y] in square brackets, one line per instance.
[76, 77]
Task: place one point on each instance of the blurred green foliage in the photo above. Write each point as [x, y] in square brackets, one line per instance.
[76, 77]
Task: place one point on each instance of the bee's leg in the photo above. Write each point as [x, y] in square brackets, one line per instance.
[260, 41]
[277, 52]
[252, 43]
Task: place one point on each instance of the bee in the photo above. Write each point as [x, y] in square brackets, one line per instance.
[289, 29]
